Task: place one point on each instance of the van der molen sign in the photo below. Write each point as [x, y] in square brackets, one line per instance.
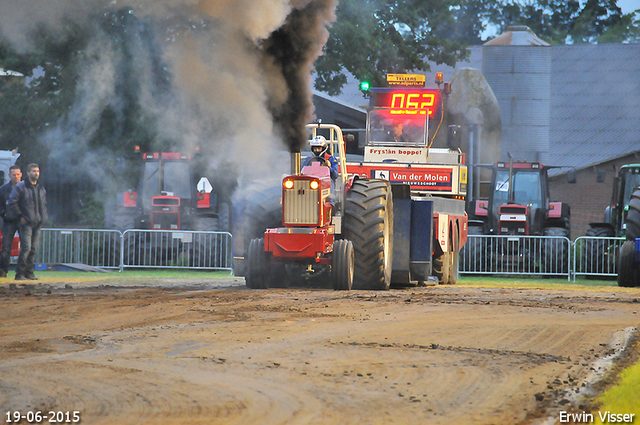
[406, 80]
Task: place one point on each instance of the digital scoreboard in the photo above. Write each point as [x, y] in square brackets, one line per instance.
[404, 101]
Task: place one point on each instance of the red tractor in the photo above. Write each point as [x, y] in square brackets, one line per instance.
[170, 196]
[401, 212]
[519, 205]
[310, 237]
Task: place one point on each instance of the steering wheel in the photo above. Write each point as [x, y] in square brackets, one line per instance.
[322, 161]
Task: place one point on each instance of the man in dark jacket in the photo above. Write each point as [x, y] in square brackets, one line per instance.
[9, 227]
[28, 205]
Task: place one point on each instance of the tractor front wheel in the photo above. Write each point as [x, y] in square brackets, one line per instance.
[628, 275]
[257, 268]
[342, 265]
[556, 251]
[441, 265]
[632, 221]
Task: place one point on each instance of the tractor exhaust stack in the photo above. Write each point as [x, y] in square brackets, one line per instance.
[295, 163]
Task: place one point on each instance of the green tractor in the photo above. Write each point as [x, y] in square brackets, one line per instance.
[621, 219]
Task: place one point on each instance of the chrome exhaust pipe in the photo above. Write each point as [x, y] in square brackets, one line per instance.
[295, 163]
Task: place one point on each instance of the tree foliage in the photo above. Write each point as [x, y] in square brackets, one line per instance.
[561, 21]
[371, 38]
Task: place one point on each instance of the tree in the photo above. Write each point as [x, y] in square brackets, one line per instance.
[594, 19]
[560, 21]
[469, 21]
[371, 38]
[627, 30]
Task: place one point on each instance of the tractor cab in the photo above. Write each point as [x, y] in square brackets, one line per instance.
[519, 199]
[628, 178]
[403, 117]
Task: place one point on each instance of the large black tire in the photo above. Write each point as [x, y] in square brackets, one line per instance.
[597, 255]
[342, 265]
[474, 252]
[368, 224]
[122, 219]
[441, 265]
[257, 267]
[445, 265]
[633, 216]
[628, 275]
[132, 252]
[206, 223]
[455, 258]
[224, 217]
[556, 253]
[256, 209]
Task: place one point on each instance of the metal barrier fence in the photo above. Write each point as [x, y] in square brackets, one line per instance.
[502, 254]
[596, 257]
[136, 248]
[592, 257]
[174, 249]
[98, 248]
[482, 254]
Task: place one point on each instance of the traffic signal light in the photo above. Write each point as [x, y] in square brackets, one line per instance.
[364, 85]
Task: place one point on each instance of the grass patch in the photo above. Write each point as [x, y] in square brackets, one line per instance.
[622, 398]
[140, 275]
[536, 282]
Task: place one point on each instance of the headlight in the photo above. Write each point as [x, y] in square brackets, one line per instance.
[288, 184]
[314, 184]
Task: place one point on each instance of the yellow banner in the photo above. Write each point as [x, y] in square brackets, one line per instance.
[406, 80]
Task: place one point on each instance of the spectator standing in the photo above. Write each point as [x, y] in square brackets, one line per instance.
[9, 227]
[28, 205]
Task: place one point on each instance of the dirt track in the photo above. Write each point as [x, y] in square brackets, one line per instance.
[193, 353]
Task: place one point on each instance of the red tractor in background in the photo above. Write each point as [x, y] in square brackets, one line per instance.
[309, 239]
[519, 204]
[170, 196]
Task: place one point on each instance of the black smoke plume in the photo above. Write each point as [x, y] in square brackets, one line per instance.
[232, 77]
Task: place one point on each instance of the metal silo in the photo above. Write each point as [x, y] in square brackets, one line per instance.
[517, 66]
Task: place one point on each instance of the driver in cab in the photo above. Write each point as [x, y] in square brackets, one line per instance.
[399, 135]
[320, 150]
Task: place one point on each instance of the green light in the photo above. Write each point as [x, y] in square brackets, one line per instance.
[364, 86]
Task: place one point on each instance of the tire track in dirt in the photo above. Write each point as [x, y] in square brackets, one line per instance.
[438, 355]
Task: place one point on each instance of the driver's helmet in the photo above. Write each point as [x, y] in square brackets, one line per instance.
[319, 146]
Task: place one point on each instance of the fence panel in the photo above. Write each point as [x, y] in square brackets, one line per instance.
[93, 247]
[503, 254]
[177, 249]
[593, 256]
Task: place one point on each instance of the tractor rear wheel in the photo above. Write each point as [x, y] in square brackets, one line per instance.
[342, 265]
[441, 264]
[598, 254]
[368, 224]
[445, 265]
[224, 217]
[455, 259]
[628, 275]
[474, 252]
[556, 251]
[257, 266]
[633, 216]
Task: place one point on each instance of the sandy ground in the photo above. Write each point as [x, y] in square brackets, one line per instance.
[214, 352]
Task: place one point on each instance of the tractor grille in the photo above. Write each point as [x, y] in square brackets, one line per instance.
[301, 204]
[513, 228]
[513, 209]
[166, 220]
[162, 201]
